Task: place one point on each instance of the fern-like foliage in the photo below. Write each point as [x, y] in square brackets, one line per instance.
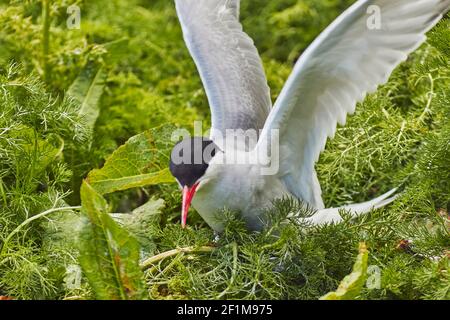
[398, 137]
[35, 127]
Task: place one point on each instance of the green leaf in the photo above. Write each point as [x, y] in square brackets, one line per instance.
[109, 255]
[35, 154]
[31, 142]
[116, 50]
[351, 285]
[87, 90]
[143, 223]
[62, 230]
[105, 185]
[141, 161]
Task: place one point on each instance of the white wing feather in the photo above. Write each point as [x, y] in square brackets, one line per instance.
[348, 60]
[228, 63]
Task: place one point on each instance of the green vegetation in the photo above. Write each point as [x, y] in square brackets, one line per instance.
[99, 104]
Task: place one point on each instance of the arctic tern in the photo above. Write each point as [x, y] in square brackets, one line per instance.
[348, 60]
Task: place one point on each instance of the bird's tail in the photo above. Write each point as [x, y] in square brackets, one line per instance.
[331, 215]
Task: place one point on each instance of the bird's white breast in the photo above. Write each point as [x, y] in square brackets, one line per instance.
[238, 187]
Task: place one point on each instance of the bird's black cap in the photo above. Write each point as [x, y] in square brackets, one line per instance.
[190, 158]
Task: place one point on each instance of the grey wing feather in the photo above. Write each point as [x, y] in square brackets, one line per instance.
[354, 55]
[228, 63]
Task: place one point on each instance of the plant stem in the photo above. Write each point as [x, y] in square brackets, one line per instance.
[31, 219]
[74, 298]
[46, 38]
[152, 260]
[3, 193]
[430, 95]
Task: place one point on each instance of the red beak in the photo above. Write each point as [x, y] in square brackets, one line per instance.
[188, 194]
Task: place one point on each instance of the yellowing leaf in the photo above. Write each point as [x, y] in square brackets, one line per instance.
[351, 285]
[109, 255]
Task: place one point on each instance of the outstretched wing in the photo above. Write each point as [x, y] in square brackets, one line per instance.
[228, 63]
[354, 55]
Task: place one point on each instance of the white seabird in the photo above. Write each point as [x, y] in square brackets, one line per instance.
[351, 58]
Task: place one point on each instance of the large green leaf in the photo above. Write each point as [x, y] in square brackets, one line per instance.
[141, 161]
[109, 255]
[87, 90]
[350, 287]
